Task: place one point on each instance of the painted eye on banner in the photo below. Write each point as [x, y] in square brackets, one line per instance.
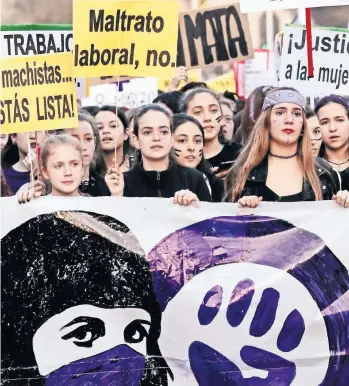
[86, 331]
[136, 332]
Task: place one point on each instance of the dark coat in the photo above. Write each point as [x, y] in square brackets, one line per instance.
[256, 182]
[141, 183]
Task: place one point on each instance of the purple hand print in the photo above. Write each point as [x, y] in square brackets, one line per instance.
[211, 367]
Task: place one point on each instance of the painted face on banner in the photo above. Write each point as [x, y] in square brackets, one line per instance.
[334, 125]
[89, 314]
[188, 145]
[286, 123]
[205, 108]
[154, 135]
[111, 130]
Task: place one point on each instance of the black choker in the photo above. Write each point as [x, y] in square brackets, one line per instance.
[334, 163]
[284, 156]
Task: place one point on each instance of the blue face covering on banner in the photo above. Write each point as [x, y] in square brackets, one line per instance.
[120, 366]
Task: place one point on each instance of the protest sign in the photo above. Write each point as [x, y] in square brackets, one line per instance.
[137, 38]
[100, 95]
[213, 35]
[256, 72]
[37, 93]
[331, 60]
[135, 93]
[250, 6]
[125, 303]
[223, 83]
[39, 39]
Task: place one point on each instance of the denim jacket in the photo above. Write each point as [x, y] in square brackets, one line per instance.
[255, 183]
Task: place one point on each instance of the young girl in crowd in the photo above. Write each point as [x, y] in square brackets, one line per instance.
[277, 163]
[188, 147]
[4, 139]
[333, 114]
[130, 116]
[250, 114]
[112, 128]
[204, 105]
[154, 175]
[61, 166]
[86, 133]
[16, 162]
[228, 118]
[314, 131]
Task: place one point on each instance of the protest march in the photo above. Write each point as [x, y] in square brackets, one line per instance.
[175, 193]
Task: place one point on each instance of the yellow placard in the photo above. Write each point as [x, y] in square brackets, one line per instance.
[126, 38]
[223, 83]
[37, 93]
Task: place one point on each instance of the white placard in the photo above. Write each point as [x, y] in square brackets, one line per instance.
[250, 6]
[331, 61]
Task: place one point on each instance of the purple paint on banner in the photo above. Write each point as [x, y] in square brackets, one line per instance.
[120, 366]
[266, 241]
[240, 302]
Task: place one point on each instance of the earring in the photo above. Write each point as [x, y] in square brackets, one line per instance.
[14, 142]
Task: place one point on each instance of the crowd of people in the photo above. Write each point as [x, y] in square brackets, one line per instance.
[191, 145]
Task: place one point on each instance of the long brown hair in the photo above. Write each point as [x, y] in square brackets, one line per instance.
[257, 148]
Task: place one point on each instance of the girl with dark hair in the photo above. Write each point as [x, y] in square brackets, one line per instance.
[204, 105]
[130, 116]
[4, 140]
[188, 147]
[15, 158]
[276, 164]
[251, 113]
[169, 100]
[333, 115]
[153, 174]
[78, 306]
[92, 183]
[314, 131]
[228, 118]
[112, 128]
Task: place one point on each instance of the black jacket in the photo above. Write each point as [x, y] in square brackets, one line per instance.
[95, 186]
[141, 183]
[255, 183]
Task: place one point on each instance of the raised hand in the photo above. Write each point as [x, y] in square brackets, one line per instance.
[181, 75]
[115, 181]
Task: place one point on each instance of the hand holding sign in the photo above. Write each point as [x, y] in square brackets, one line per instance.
[115, 181]
[181, 75]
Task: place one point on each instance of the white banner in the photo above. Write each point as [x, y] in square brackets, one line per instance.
[126, 290]
[250, 6]
[331, 61]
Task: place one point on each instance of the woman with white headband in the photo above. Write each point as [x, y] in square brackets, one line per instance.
[276, 163]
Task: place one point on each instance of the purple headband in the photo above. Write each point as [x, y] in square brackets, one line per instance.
[283, 96]
[332, 98]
